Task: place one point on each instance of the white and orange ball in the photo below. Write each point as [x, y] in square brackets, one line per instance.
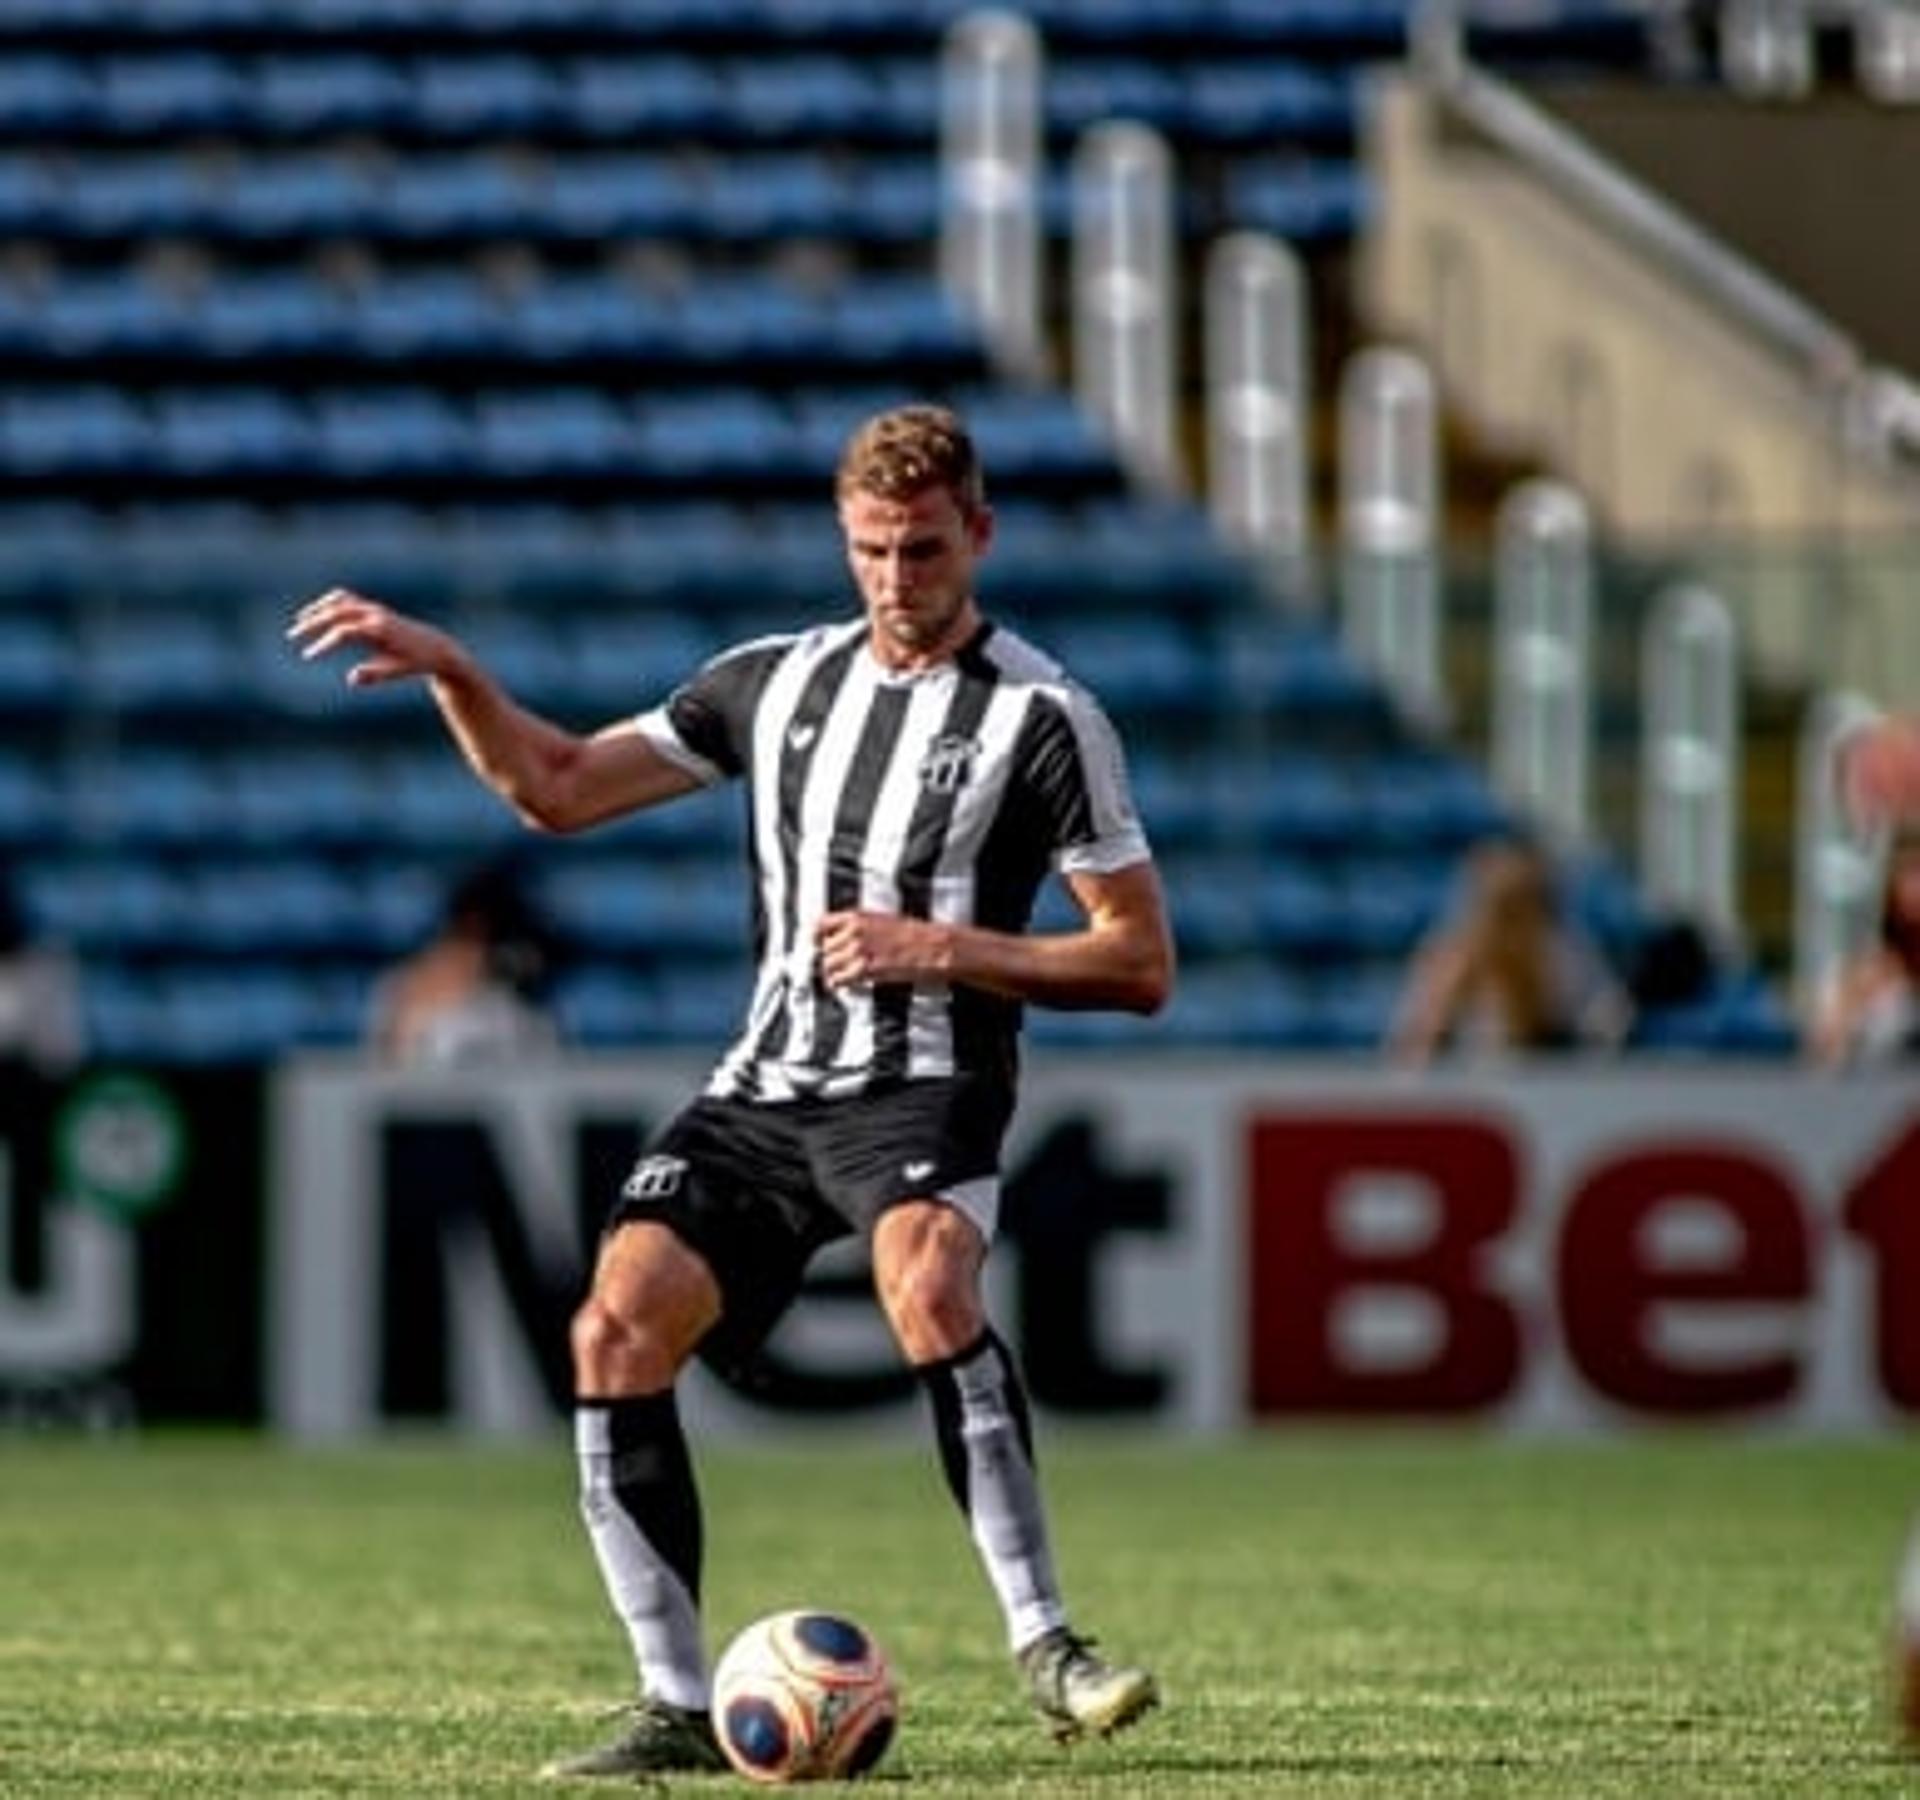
[804, 1696]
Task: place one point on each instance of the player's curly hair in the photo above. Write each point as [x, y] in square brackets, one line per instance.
[901, 453]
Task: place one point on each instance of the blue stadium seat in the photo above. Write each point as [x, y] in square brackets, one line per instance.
[530, 657]
[1297, 801]
[593, 318]
[485, 97]
[73, 432]
[1387, 902]
[194, 554]
[181, 662]
[623, 664]
[1243, 1000]
[148, 799]
[233, 432]
[903, 320]
[112, 316]
[740, 321]
[1303, 201]
[1302, 911]
[894, 200]
[295, 799]
[695, 1005]
[48, 97]
[163, 194]
[1356, 1003]
[1080, 92]
[247, 317]
[374, 432]
[432, 801]
[390, 550]
[300, 197]
[554, 432]
[752, 199]
[603, 1006]
[1027, 434]
[667, 551]
[723, 434]
[39, 665]
[600, 198]
[778, 98]
[101, 904]
[425, 316]
[1260, 100]
[468, 197]
[190, 93]
[627, 98]
[1140, 662]
[211, 1016]
[30, 196]
[1214, 902]
[32, 809]
[526, 555]
[50, 554]
[323, 94]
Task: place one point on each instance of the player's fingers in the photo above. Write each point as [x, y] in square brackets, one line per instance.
[325, 606]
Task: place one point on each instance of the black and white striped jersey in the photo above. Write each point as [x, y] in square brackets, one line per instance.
[949, 793]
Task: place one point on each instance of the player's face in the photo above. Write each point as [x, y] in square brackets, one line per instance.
[914, 561]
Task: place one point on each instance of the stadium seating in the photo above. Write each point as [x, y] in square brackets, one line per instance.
[548, 318]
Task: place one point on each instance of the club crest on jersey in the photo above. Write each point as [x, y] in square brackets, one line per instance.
[947, 763]
[655, 1178]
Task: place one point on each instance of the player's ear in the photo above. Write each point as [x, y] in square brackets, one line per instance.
[980, 528]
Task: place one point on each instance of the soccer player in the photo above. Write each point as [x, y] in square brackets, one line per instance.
[914, 774]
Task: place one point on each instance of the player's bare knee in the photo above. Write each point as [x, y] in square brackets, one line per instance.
[933, 1308]
[617, 1354]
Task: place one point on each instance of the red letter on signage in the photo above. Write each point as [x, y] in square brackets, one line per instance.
[1883, 1206]
[1609, 1290]
[1300, 1269]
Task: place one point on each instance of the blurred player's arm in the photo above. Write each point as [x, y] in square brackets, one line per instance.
[556, 780]
[1121, 957]
[1880, 772]
[1435, 991]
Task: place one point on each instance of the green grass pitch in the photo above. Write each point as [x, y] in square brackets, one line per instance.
[1381, 1613]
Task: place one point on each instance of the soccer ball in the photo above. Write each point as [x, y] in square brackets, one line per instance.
[804, 1696]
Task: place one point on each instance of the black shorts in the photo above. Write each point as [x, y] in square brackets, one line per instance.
[758, 1189]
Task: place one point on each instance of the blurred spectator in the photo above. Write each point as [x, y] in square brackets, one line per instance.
[1870, 1010]
[42, 1022]
[477, 991]
[1508, 972]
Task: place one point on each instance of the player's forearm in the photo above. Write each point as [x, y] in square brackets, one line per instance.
[1128, 970]
[519, 755]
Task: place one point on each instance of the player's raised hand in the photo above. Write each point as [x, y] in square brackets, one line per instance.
[1880, 773]
[398, 646]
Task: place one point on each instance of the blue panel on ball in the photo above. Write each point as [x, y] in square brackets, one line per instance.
[757, 1732]
[838, 1640]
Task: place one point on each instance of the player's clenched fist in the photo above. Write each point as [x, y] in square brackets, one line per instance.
[860, 948]
[398, 646]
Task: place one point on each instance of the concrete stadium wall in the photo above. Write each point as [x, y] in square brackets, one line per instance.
[1559, 340]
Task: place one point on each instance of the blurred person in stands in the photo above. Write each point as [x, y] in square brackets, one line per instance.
[914, 774]
[1869, 1009]
[42, 1020]
[1508, 972]
[476, 991]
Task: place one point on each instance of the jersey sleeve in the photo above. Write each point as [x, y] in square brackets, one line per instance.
[705, 725]
[1078, 774]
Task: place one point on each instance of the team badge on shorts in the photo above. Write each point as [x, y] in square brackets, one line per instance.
[655, 1178]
